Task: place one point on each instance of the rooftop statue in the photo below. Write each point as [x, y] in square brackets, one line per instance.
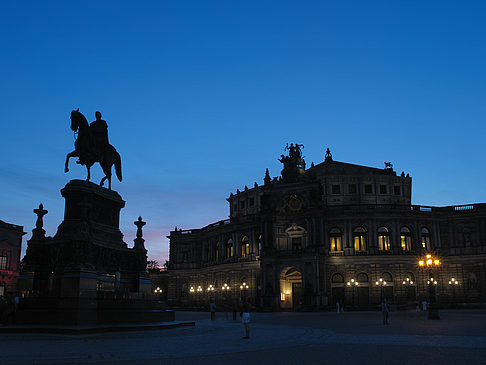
[92, 146]
[295, 155]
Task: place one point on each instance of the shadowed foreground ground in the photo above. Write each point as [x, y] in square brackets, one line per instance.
[276, 338]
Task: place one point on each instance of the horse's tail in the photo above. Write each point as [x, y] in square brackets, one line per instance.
[117, 162]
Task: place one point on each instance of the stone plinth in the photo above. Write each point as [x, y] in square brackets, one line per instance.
[86, 271]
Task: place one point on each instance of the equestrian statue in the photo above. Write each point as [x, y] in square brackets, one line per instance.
[92, 146]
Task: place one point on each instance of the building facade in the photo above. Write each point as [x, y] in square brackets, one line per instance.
[333, 232]
[10, 246]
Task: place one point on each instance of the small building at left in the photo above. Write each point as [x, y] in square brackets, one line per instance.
[10, 246]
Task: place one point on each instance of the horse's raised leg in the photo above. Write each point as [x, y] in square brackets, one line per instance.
[68, 156]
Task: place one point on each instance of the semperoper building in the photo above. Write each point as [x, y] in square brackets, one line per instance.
[331, 232]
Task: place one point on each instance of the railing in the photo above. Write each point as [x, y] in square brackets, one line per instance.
[463, 207]
[336, 253]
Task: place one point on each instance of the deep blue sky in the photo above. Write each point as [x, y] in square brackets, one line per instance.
[201, 96]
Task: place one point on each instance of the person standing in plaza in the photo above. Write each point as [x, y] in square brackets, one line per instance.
[212, 309]
[245, 319]
[385, 309]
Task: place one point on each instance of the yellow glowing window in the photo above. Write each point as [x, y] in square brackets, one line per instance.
[359, 239]
[383, 239]
[335, 240]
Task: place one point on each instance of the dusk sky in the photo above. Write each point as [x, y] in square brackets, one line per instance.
[201, 96]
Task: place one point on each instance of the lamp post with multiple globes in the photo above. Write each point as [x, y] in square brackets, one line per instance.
[431, 264]
[352, 284]
[381, 283]
[453, 283]
[243, 289]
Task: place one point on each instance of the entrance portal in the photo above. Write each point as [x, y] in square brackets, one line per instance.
[290, 289]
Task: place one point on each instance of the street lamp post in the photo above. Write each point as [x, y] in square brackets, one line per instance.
[381, 283]
[352, 284]
[430, 263]
[199, 292]
[408, 283]
[243, 289]
[453, 283]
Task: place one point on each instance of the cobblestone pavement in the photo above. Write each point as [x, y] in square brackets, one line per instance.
[276, 338]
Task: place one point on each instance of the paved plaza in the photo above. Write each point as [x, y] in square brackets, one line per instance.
[276, 338]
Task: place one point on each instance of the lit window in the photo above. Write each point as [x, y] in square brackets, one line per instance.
[335, 240]
[383, 239]
[405, 239]
[3, 261]
[245, 246]
[359, 235]
[229, 248]
[425, 235]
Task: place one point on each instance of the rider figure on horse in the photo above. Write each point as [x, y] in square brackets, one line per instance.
[99, 136]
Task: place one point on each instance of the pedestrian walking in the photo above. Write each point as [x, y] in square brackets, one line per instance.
[385, 309]
[338, 310]
[212, 309]
[245, 319]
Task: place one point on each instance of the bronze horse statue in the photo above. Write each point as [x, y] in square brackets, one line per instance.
[87, 153]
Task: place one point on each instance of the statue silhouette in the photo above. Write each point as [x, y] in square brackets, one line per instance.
[92, 146]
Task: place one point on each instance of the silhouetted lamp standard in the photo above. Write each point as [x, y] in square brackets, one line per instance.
[381, 283]
[453, 283]
[226, 289]
[431, 265]
[210, 291]
[243, 290]
[408, 284]
[352, 284]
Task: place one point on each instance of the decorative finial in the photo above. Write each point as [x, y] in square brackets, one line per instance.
[41, 212]
[312, 164]
[388, 165]
[139, 223]
[267, 180]
[328, 156]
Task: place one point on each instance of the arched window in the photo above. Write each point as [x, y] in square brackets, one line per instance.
[409, 279]
[3, 261]
[359, 235]
[405, 239]
[229, 248]
[387, 277]
[425, 238]
[383, 239]
[362, 278]
[245, 246]
[337, 278]
[335, 240]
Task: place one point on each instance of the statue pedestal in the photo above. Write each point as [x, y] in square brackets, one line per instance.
[86, 272]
